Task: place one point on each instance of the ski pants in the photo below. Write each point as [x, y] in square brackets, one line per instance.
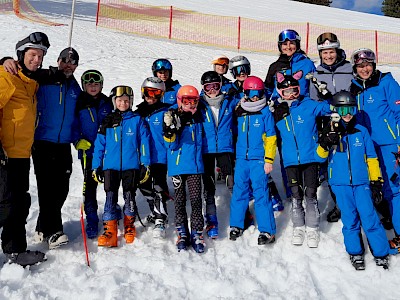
[155, 190]
[15, 202]
[391, 185]
[251, 173]
[90, 203]
[356, 205]
[53, 168]
[194, 186]
[224, 161]
[303, 181]
[112, 180]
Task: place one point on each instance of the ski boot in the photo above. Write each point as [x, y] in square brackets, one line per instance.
[151, 218]
[212, 226]
[27, 258]
[334, 215]
[92, 225]
[235, 233]
[109, 237]
[129, 229]
[159, 229]
[298, 235]
[57, 239]
[382, 262]
[197, 241]
[395, 243]
[312, 237]
[183, 238]
[266, 238]
[358, 262]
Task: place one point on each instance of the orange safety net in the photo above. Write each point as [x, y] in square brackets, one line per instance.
[24, 10]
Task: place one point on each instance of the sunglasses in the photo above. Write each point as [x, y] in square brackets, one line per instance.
[190, 100]
[121, 90]
[92, 77]
[346, 110]
[208, 87]
[288, 35]
[254, 93]
[68, 60]
[295, 91]
[152, 92]
[327, 36]
[363, 56]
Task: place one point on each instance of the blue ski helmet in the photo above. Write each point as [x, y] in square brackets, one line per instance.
[161, 64]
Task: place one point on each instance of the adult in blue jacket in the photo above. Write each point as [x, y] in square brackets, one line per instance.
[155, 190]
[353, 174]
[92, 107]
[378, 100]
[217, 110]
[56, 129]
[295, 119]
[121, 147]
[183, 135]
[162, 68]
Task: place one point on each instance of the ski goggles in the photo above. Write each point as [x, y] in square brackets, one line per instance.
[92, 77]
[38, 38]
[208, 87]
[152, 92]
[162, 64]
[241, 69]
[363, 55]
[221, 61]
[327, 36]
[121, 90]
[290, 35]
[293, 90]
[346, 110]
[186, 100]
[254, 93]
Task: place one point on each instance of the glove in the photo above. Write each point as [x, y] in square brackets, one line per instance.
[3, 156]
[171, 124]
[83, 144]
[321, 86]
[281, 111]
[271, 105]
[144, 173]
[329, 137]
[376, 190]
[98, 175]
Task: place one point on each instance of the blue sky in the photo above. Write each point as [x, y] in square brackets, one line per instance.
[368, 6]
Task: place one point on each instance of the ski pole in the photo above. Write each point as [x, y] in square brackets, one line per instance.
[83, 201]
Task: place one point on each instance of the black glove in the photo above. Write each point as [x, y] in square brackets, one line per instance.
[3, 156]
[329, 137]
[281, 111]
[144, 173]
[98, 175]
[376, 190]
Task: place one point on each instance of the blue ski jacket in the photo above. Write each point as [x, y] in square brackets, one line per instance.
[56, 119]
[91, 113]
[378, 100]
[218, 135]
[298, 131]
[172, 87]
[122, 142]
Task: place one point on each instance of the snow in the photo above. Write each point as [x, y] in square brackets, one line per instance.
[153, 269]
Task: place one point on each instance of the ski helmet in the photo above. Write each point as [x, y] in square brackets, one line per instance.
[288, 84]
[187, 92]
[363, 55]
[289, 35]
[239, 64]
[221, 60]
[343, 98]
[153, 87]
[91, 76]
[210, 77]
[119, 91]
[36, 40]
[69, 55]
[253, 86]
[161, 64]
[327, 40]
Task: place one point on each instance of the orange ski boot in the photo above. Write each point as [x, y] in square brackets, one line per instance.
[110, 236]
[129, 229]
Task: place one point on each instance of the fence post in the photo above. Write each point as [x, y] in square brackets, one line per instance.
[376, 46]
[97, 13]
[239, 20]
[16, 7]
[307, 37]
[170, 23]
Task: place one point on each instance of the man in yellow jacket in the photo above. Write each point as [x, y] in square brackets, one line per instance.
[17, 126]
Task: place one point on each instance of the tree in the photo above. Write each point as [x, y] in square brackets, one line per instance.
[391, 8]
[317, 2]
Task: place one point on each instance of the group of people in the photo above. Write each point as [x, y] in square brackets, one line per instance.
[337, 122]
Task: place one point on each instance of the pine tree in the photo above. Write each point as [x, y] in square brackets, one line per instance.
[391, 8]
[317, 2]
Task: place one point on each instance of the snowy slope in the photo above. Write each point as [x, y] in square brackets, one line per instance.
[150, 269]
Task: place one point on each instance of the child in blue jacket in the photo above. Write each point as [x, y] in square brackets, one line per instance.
[92, 107]
[354, 176]
[183, 134]
[162, 68]
[121, 147]
[255, 153]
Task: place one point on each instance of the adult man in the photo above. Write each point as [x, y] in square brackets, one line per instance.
[18, 112]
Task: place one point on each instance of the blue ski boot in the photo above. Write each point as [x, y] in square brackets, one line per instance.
[212, 226]
[92, 225]
[183, 237]
[197, 241]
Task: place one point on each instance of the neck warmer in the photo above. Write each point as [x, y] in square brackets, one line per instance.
[216, 101]
[253, 106]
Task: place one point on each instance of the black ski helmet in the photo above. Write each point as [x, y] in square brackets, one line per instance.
[343, 98]
[288, 82]
[209, 77]
[91, 76]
